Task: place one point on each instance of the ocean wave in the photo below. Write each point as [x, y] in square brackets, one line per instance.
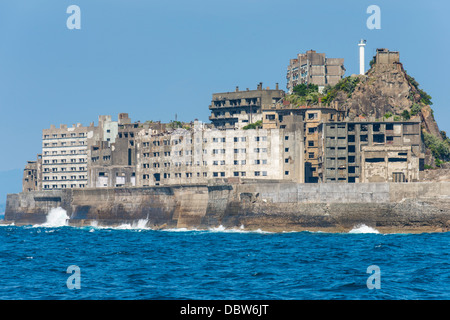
[56, 217]
[362, 228]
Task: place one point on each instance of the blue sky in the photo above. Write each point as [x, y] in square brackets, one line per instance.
[155, 59]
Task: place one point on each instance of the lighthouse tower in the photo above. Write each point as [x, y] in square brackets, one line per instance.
[361, 44]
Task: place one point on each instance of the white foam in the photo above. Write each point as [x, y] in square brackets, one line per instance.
[57, 217]
[241, 229]
[362, 228]
[139, 224]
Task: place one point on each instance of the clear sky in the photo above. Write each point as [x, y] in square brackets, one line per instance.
[155, 59]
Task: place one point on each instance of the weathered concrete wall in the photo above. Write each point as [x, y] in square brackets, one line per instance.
[394, 207]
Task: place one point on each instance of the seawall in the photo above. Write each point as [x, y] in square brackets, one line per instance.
[270, 206]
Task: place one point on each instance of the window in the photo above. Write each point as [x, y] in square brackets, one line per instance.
[310, 143]
[378, 138]
[286, 149]
[286, 173]
[257, 173]
[286, 138]
[311, 155]
[286, 160]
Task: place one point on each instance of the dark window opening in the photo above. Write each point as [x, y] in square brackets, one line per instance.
[351, 138]
[376, 127]
[378, 138]
[351, 148]
[351, 169]
[375, 160]
[363, 138]
[397, 159]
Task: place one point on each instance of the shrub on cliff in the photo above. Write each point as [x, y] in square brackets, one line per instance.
[440, 149]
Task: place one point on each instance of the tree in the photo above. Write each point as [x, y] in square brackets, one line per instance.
[405, 115]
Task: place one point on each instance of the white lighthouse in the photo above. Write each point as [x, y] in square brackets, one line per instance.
[361, 44]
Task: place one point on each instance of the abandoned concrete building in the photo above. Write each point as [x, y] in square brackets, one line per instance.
[64, 156]
[200, 154]
[304, 145]
[315, 68]
[309, 118]
[370, 151]
[240, 108]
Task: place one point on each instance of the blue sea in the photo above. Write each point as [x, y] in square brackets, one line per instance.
[132, 262]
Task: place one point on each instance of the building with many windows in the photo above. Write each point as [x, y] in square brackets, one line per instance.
[370, 151]
[64, 156]
[240, 108]
[315, 68]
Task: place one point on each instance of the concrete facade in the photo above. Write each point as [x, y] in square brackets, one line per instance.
[64, 156]
[279, 206]
[315, 68]
[240, 108]
[370, 151]
[200, 154]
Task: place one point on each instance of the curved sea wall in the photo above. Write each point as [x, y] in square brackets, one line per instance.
[270, 206]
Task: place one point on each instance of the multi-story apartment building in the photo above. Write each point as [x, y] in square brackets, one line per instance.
[370, 151]
[315, 68]
[113, 164]
[310, 118]
[64, 156]
[240, 108]
[200, 154]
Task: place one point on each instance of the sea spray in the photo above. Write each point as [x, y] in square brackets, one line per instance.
[138, 224]
[57, 217]
[362, 228]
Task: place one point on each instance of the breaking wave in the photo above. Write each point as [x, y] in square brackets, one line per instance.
[57, 217]
[362, 228]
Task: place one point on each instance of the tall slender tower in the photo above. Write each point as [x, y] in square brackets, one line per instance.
[361, 44]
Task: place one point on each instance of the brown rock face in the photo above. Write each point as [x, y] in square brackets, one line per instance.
[385, 88]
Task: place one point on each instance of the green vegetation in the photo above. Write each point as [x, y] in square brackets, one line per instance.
[347, 85]
[303, 90]
[415, 109]
[387, 115]
[439, 149]
[406, 115]
[255, 125]
[304, 94]
[424, 97]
